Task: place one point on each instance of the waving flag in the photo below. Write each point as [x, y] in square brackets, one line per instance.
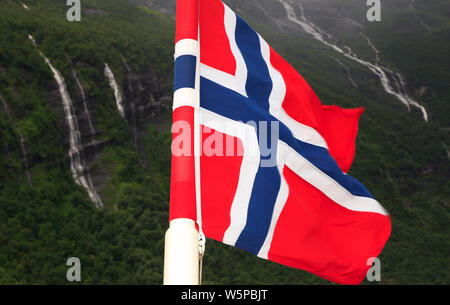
[272, 173]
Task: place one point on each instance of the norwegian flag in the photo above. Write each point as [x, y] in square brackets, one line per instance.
[272, 172]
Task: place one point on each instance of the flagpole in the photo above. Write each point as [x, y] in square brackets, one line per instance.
[181, 253]
[184, 244]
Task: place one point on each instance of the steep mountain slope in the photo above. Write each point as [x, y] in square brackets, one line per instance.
[107, 119]
[67, 147]
[389, 68]
[399, 44]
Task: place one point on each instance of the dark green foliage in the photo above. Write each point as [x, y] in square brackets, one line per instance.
[400, 159]
[41, 227]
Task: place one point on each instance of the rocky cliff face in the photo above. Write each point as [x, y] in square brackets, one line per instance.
[143, 98]
[141, 102]
[402, 160]
[99, 88]
[138, 101]
[21, 143]
[341, 27]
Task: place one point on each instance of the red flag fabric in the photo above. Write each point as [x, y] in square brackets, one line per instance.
[273, 159]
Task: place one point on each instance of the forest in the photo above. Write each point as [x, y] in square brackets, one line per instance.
[45, 220]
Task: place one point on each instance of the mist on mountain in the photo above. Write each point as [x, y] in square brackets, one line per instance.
[112, 127]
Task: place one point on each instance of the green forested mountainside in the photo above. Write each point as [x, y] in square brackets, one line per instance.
[41, 226]
[412, 37]
[401, 159]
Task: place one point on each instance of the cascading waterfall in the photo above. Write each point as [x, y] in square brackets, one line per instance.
[24, 158]
[355, 23]
[118, 96]
[412, 9]
[86, 110]
[446, 150]
[266, 13]
[83, 98]
[125, 63]
[23, 151]
[349, 74]
[77, 166]
[381, 72]
[372, 46]
[5, 108]
[33, 41]
[261, 8]
[258, 5]
[368, 40]
[131, 103]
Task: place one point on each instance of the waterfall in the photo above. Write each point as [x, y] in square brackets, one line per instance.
[349, 74]
[412, 9]
[118, 96]
[86, 110]
[446, 150]
[372, 46]
[24, 158]
[131, 104]
[383, 73]
[125, 63]
[77, 166]
[355, 23]
[5, 108]
[23, 151]
[83, 98]
[25, 7]
[33, 41]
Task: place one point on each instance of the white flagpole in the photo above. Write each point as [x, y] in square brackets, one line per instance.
[197, 154]
[184, 245]
[181, 253]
